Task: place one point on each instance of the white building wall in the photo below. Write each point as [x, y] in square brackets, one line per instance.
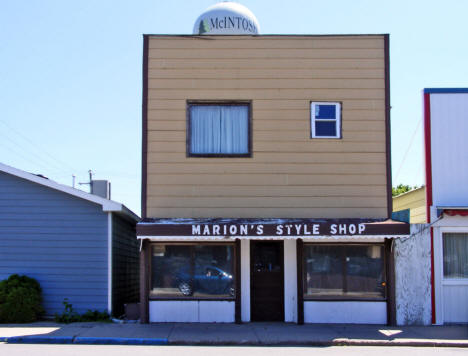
[191, 311]
[345, 312]
[449, 128]
[290, 281]
[413, 277]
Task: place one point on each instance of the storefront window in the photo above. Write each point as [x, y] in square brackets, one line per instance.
[344, 272]
[192, 271]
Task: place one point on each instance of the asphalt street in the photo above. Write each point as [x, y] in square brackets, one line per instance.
[78, 350]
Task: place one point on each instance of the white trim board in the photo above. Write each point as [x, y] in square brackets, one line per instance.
[109, 262]
[307, 238]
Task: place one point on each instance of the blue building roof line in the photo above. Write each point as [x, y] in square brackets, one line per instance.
[107, 205]
[445, 90]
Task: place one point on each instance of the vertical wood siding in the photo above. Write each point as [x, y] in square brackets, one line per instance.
[125, 264]
[57, 239]
[289, 174]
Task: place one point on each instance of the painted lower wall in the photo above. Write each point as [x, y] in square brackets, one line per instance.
[350, 312]
[192, 311]
[413, 277]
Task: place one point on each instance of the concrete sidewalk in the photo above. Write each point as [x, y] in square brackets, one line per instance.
[259, 334]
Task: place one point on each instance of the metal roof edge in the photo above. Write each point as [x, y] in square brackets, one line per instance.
[107, 204]
[445, 90]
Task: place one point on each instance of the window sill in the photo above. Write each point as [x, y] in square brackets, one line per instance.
[220, 155]
[336, 299]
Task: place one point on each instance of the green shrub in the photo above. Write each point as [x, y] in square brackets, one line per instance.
[71, 316]
[20, 300]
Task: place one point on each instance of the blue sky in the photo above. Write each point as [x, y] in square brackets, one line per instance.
[70, 75]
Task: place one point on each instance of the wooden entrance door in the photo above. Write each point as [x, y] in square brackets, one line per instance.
[267, 280]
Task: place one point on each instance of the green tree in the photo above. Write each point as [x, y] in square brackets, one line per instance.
[402, 188]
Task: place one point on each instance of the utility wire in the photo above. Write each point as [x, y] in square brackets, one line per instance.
[36, 157]
[407, 150]
[71, 169]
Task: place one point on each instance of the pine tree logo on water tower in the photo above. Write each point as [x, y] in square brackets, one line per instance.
[204, 27]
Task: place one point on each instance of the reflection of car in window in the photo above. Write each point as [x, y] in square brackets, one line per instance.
[206, 279]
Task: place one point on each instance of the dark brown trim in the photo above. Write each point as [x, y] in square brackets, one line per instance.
[237, 307]
[144, 134]
[300, 281]
[271, 227]
[191, 103]
[390, 274]
[144, 280]
[347, 299]
[387, 125]
[255, 36]
[191, 299]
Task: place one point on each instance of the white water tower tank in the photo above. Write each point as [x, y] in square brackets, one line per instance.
[226, 18]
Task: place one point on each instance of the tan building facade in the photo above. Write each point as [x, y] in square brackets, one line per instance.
[266, 189]
[287, 174]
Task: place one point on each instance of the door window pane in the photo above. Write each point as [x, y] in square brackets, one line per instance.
[455, 251]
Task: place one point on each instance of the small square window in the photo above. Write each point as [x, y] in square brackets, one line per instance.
[325, 120]
[218, 129]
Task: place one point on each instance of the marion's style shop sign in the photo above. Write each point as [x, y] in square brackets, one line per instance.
[270, 227]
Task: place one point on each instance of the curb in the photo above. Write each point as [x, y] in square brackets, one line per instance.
[119, 341]
[39, 340]
[82, 340]
[327, 343]
[161, 341]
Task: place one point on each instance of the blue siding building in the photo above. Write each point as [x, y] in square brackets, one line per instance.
[77, 245]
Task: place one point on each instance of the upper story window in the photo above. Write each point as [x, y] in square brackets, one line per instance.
[325, 119]
[219, 129]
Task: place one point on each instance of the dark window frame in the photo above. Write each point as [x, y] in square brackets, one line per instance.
[339, 129]
[234, 298]
[337, 298]
[191, 103]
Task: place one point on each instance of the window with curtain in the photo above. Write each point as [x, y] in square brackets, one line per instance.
[218, 130]
[455, 250]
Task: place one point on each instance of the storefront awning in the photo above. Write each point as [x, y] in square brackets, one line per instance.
[184, 229]
[453, 210]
